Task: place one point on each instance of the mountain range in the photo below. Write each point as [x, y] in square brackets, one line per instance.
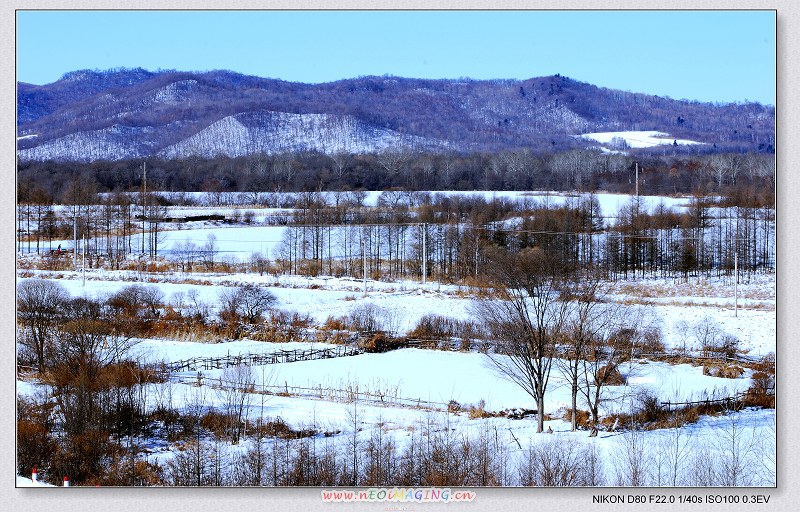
[134, 113]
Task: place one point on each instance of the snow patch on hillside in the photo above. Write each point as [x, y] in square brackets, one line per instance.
[174, 93]
[636, 139]
[115, 142]
[277, 132]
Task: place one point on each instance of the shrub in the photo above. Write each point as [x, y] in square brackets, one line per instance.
[334, 324]
[648, 407]
[121, 471]
[766, 364]
[35, 445]
[724, 371]
[559, 463]
[433, 327]
[623, 339]
[651, 341]
[762, 391]
[247, 302]
[280, 429]
[216, 422]
[381, 342]
[610, 376]
[82, 457]
[581, 417]
[479, 411]
[368, 317]
[454, 407]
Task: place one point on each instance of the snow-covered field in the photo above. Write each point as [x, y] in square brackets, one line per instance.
[678, 309]
[240, 241]
[468, 378]
[637, 139]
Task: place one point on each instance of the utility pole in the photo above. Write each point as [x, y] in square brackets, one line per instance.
[84, 260]
[424, 254]
[75, 237]
[364, 257]
[476, 256]
[637, 179]
[144, 200]
[736, 283]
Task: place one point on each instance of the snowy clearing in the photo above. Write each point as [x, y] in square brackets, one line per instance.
[637, 139]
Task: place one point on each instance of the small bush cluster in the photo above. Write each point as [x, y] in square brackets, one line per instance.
[723, 371]
[436, 328]
[611, 376]
[381, 342]
[369, 317]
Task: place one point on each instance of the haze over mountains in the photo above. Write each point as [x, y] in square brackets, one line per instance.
[134, 113]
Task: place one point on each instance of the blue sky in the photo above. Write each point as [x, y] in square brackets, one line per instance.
[697, 55]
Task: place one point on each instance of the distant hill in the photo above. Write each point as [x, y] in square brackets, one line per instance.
[134, 113]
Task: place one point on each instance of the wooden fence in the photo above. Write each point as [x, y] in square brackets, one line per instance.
[730, 402]
[381, 397]
[720, 358]
[280, 356]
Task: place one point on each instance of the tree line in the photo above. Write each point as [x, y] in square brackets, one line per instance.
[747, 176]
[420, 235]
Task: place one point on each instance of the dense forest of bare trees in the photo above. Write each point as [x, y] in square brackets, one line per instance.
[748, 176]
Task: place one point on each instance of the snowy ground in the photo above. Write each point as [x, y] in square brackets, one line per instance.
[242, 240]
[678, 309]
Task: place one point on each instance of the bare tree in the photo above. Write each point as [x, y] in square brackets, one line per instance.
[525, 320]
[353, 443]
[393, 161]
[192, 465]
[84, 348]
[633, 460]
[186, 253]
[558, 463]
[341, 162]
[589, 317]
[236, 395]
[259, 263]
[209, 251]
[247, 302]
[672, 454]
[738, 450]
[40, 306]
[608, 348]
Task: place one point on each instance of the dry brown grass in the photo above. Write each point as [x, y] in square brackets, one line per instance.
[381, 342]
[693, 288]
[611, 376]
[479, 411]
[278, 428]
[334, 324]
[766, 364]
[582, 418]
[724, 371]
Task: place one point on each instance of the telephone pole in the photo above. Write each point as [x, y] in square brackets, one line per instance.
[424, 254]
[144, 200]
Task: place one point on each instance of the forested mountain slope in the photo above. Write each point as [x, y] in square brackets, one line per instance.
[134, 113]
